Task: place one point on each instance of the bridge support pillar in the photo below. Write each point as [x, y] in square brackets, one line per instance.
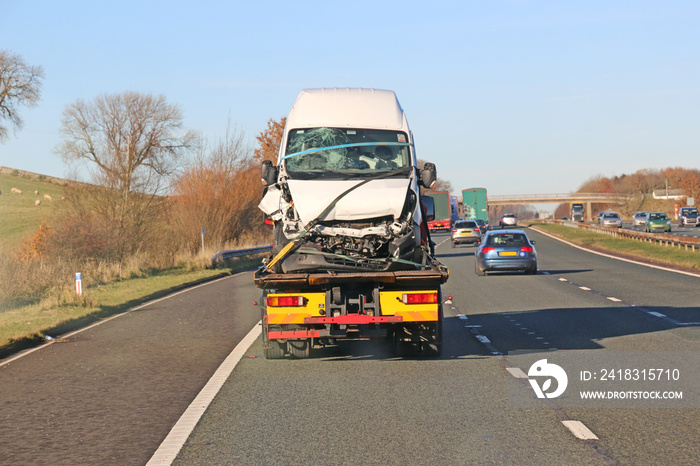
[589, 212]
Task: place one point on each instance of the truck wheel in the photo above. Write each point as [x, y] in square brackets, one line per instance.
[274, 350]
[299, 348]
[403, 346]
[433, 347]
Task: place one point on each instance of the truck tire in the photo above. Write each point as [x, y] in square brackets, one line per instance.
[403, 346]
[299, 348]
[274, 350]
[433, 347]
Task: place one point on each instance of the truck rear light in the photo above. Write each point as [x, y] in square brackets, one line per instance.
[286, 301]
[526, 249]
[420, 298]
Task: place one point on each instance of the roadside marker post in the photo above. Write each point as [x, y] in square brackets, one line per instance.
[78, 283]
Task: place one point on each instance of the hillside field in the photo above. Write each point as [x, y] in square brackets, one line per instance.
[19, 216]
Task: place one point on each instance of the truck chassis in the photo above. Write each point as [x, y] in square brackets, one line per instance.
[313, 310]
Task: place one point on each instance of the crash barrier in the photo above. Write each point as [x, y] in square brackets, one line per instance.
[222, 256]
[680, 242]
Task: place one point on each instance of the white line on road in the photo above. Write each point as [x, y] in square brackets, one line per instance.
[177, 437]
[666, 269]
[141, 306]
[580, 430]
[517, 372]
[584, 288]
[614, 299]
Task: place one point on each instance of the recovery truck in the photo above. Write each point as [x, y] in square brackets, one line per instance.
[352, 256]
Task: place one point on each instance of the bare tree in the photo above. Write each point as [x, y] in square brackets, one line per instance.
[131, 143]
[269, 140]
[220, 191]
[20, 85]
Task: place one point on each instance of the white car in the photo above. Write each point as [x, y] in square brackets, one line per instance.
[508, 220]
[610, 219]
[639, 218]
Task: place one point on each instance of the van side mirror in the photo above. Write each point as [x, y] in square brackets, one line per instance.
[429, 204]
[428, 175]
[269, 173]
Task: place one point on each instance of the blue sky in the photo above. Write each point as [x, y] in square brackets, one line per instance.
[516, 96]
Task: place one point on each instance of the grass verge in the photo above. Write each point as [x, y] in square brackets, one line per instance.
[638, 250]
[28, 325]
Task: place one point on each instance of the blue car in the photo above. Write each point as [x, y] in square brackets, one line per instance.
[506, 250]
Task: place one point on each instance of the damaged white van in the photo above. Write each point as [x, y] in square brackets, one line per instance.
[345, 188]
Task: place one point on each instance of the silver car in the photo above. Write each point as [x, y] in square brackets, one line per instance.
[466, 231]
[639, 218]
[610, 219]
[508, 220]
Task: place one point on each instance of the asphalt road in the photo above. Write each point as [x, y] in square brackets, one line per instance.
[111, 394]
[684, 231]
[357, 403]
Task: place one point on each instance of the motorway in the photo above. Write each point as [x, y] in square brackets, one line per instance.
[111, 394]
[686, 231]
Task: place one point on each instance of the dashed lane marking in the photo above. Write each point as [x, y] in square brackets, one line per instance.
[517, 372]
[580, 430]
[615, 300]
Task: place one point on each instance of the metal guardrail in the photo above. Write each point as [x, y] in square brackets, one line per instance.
[224, 255]
[680, 242]
[559, 197]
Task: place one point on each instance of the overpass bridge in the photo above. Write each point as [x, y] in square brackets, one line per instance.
[587, 198]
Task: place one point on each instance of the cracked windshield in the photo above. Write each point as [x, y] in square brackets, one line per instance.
[345, 153]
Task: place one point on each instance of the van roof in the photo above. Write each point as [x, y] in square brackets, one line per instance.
[347, 108]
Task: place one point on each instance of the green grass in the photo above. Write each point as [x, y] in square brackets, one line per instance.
[27, 324]
[655, 253]
[19, 217]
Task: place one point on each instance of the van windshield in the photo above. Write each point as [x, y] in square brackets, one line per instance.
[345, 153]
